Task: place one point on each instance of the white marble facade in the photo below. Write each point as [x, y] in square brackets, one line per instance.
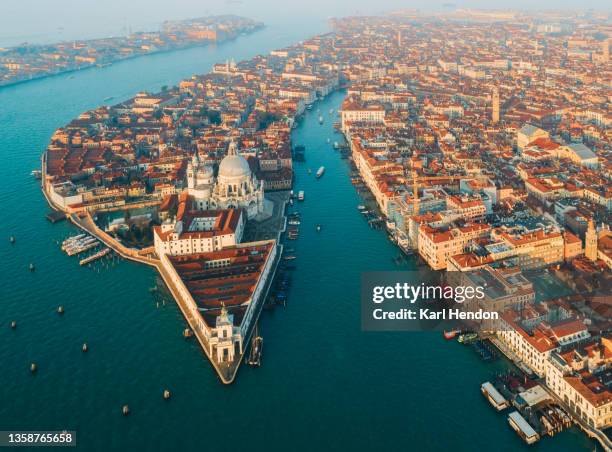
[234, 187]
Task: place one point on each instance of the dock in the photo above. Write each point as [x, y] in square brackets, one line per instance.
[522, 427]
[94, 257]
[494, 397]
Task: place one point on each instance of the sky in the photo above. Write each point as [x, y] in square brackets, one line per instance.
[54, 20]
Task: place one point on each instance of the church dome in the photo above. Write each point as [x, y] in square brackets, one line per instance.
[234, 165]
[205, 171]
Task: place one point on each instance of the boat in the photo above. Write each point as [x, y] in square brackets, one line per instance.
[81, 246]
[467, 338]
[361, 207]
[318, 228]
[320, 172]
[320, 119]
[187, 333]
[309, 107]
[256, 349]
[331, 111]
[301, 195]
[36, 173]
[336, 145]
[289, 257]
[73, 239]
[294, 222]
[448, 335]
[309, 171]
[106, 99]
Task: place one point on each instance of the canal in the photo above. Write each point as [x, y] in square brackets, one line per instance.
[323, 384]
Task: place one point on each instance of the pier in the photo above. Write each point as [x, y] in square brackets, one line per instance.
[94, 257]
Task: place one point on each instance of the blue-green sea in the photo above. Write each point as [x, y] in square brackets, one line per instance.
[324, 384]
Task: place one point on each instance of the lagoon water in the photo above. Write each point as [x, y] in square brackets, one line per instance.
[323, 384]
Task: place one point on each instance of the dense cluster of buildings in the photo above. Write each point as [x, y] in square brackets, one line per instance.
[481, 143]
[29, 61]
[485, 147]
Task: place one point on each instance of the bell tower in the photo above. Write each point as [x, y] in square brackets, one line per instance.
[590, 245]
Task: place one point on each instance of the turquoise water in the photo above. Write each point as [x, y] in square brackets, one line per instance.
[323, 385]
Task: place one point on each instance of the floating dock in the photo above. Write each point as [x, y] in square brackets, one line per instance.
[94, 257]
[494, 397]
[522, 427]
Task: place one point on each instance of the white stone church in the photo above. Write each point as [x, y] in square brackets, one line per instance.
[234, 187]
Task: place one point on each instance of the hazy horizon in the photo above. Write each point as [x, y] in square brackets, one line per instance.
[38, 21]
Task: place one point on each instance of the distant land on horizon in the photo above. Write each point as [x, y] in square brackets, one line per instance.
[27, 62]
